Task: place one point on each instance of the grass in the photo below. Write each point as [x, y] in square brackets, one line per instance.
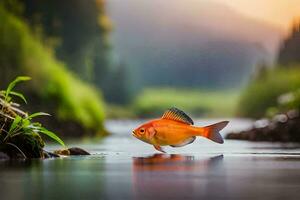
[155, 101]
[113, 111]
[17, 128]
[262, 94]
[53, 83]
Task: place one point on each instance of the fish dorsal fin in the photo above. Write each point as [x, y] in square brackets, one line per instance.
[177, 115]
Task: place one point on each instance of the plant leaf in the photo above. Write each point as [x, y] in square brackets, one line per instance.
[15, 123]
[25, 123]
[52, 135]
[37, 114]
[2, 93]
[18, 95]
[13, 84]
[36, 124]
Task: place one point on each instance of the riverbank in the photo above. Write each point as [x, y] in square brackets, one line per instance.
[282, 128]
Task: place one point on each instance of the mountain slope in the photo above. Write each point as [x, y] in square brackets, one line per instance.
[189, 43]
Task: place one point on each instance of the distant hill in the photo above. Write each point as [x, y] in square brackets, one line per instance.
[189, 43]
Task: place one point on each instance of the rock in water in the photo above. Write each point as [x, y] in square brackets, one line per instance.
[74, 151]
[78, 151]
[282, 128]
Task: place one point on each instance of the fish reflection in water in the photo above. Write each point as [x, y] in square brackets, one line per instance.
[173, 176]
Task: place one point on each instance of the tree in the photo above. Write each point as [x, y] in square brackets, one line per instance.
[80, 26]
[289, 52]
[116, 87]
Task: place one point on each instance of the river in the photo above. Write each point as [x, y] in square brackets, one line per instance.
[123, 167]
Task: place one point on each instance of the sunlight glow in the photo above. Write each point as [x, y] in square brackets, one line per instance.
[277, 12]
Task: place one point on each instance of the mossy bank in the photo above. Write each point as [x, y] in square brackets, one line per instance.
[76, 107]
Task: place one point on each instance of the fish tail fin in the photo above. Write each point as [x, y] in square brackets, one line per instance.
[212, 131]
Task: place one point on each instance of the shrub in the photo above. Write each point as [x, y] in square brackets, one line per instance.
[263, 93]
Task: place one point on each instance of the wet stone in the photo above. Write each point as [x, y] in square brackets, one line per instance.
[78, 151]
[283, 128]
[73, 151]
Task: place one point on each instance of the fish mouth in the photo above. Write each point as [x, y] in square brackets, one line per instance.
[134, 134]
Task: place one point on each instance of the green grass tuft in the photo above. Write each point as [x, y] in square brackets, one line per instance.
[17, 128]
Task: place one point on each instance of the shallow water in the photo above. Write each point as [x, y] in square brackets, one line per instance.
[122, 167]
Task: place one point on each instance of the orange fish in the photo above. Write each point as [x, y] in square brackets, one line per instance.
[176, 129]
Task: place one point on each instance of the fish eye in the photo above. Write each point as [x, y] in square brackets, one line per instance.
[142, 130]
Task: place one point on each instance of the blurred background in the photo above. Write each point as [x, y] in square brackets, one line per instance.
[92, 60]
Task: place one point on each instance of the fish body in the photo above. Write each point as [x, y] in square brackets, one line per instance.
[176, 129]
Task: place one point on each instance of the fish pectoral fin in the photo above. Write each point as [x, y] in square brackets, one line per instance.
[185, 142]
[151, 133]
[158, 148]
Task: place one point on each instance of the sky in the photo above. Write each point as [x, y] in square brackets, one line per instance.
[280, 13]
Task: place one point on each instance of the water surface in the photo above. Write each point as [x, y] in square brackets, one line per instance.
[122, 167]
